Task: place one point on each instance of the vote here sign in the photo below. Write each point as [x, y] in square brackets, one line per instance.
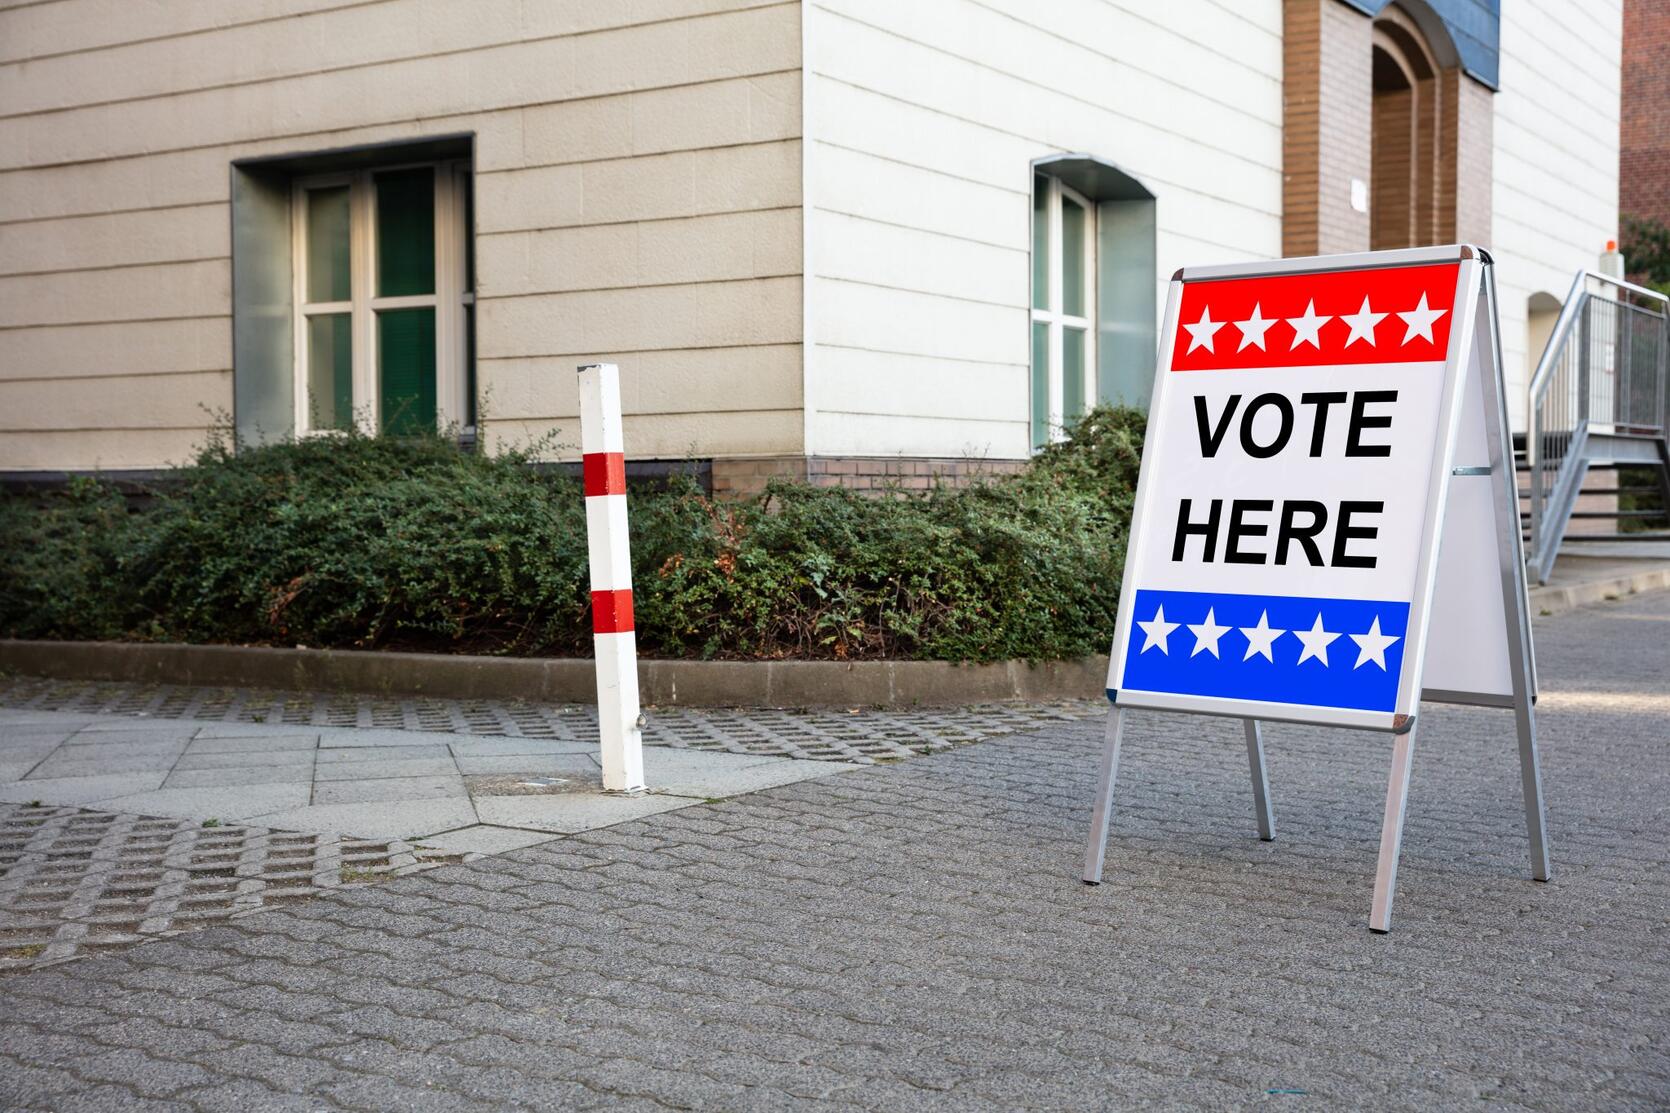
[1282, 522]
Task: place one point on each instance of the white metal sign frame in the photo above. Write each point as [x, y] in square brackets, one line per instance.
[1472, 363]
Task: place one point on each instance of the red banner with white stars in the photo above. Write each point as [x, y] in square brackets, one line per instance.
[1387, 315]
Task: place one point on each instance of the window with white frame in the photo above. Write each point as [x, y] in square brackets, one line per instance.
[1063, 308]
[385, 299]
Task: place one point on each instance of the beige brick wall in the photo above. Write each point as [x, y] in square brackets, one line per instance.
[638, 191]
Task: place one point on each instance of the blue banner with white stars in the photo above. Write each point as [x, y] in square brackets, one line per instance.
[1274, 648]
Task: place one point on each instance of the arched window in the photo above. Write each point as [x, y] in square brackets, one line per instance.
[1094, 291]
[1408, 168]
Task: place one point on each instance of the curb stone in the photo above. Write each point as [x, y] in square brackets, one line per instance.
[846, 684]
[1558, 600]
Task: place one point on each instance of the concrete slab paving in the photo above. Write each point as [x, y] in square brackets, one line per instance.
[19, 738]
[244, 759]
[393, 819]
[225, 802]
[379, 791]
[246, 775]
[22, 719]
[485, 838]
[95, 765]
[259, 730]
[348, 754]
[496, 747]
[244, 744]
[373, 783]
[570, 813]
[528, 763]
[339, 737]
[80, 791]
[381, 770]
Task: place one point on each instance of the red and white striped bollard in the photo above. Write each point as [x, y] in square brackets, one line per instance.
[603, 467]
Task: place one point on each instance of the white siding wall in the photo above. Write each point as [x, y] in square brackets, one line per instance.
[1556, 159]
[922, 122]
[638, 192]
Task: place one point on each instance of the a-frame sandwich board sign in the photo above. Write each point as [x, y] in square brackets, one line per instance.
[1326, 526]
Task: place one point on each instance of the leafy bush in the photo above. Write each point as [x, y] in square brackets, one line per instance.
[409, 543]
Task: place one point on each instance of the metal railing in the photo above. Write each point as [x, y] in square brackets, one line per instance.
[1602, 373]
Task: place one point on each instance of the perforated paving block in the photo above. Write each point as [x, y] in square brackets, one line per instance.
[74, 881]
[861, 735]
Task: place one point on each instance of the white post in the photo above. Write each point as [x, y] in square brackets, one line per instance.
[603, 467]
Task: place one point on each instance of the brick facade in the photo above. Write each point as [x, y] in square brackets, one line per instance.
[1327, 101]
[1422, 143]
[1644, 157]
[739, 478]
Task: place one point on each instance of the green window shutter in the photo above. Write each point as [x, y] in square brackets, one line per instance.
[405, 232]
[406, 369]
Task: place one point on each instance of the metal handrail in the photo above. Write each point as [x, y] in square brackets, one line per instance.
[1565, 390]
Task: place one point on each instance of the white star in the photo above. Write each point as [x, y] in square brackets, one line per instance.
[1372, 646]
[1315, 641]
[1306, 328]
[1253, 329]
[1207, 634]
[1260, 638]
[1157, 630]
[1419, 320]
[1201, 331]
[1362, 324]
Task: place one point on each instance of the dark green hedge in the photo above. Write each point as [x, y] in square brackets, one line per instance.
[411, 544]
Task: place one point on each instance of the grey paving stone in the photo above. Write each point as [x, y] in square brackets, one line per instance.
[206, 743]
[341, 739]
[245, 759]
[255, 730]
[16, 768]
[547, 764]
[374, 790]
[426, 768]
[486, 839]
[14, 738]
[341, 755]
[573, 812]
[507, 747]
[62, 764]
[80, 790]
[391, 819]
[701, 774]
[248, 775]
[224, 803]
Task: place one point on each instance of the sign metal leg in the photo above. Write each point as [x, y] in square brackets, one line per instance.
[1260, 781]
[1530, 777]
[1103, 814]
[1391, 831]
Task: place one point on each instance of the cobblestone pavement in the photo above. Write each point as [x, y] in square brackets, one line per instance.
[860, 735]
[915, 937]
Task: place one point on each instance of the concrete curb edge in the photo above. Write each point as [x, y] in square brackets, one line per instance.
[891, 684]
[1558, 600]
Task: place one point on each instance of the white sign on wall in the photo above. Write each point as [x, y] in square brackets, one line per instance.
[1326, 457]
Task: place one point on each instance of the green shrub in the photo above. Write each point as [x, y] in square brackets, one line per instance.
[408, 543]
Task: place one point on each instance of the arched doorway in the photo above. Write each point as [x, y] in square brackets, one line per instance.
[1407, 174]
[1541, 311]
